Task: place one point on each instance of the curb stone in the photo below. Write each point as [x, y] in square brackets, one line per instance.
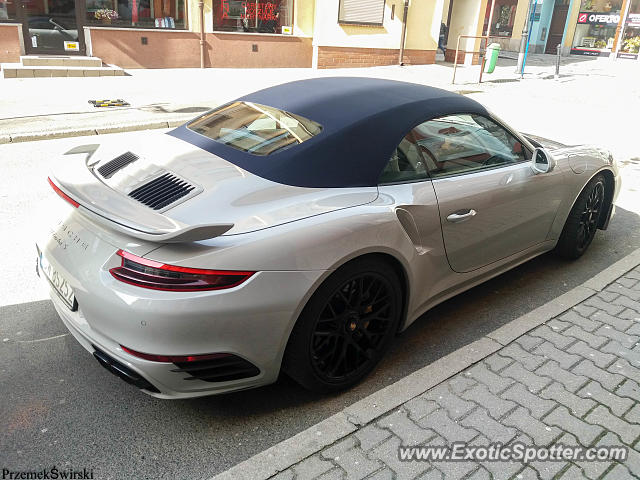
[312, 440]
[31, 137]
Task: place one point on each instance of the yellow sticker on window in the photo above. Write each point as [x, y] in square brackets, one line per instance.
[71, 46]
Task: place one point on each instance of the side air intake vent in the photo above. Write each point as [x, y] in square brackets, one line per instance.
[112, 166]
[161, 191]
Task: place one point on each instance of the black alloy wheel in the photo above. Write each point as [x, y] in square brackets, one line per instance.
[590, 215]
[583, 220]
[346, 326]
[351, 327]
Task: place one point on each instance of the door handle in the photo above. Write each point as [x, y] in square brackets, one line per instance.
[461, 215]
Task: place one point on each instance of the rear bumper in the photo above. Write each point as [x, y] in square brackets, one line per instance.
[250, 322]
[165, 380]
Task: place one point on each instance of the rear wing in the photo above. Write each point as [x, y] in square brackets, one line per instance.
[74, 182]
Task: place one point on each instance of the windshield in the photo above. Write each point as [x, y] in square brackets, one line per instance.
[254, 128]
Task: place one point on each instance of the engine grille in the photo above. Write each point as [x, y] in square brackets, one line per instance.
[222, 369]
[161, 191]
[112, 166]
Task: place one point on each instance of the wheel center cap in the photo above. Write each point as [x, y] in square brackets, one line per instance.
[352, 321]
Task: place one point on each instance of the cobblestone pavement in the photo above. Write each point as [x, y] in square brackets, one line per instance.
[574, 380]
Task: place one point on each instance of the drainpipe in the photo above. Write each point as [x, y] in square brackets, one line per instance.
[404, 32]
[201, 9]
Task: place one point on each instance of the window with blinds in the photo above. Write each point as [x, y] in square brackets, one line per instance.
[367, 12]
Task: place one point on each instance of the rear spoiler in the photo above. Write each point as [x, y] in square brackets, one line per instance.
[74, 182]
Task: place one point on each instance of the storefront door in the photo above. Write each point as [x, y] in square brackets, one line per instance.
[52, 26]
[556, 29]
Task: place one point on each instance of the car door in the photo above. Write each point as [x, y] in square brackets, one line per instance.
[407, 189]
[492, 205]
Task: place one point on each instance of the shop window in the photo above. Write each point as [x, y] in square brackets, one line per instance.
[630, 44]
[165, 14]
[504, 15]
[364, 12]
[253, 16]
[596, 27]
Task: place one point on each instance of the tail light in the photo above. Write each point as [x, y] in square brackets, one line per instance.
[62, 194]
[147, 273]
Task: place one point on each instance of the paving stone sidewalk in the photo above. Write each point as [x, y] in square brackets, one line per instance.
[574, 380]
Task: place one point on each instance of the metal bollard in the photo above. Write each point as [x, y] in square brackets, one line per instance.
[558, 51]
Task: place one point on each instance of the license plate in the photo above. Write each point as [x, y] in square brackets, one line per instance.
[59, 284]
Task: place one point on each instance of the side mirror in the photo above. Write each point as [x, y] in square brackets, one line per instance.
[542, 162]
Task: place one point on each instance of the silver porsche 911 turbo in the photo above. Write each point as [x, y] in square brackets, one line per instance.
[299, 228]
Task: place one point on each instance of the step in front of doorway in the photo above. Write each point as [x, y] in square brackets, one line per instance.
[17, 70]
[59, 61]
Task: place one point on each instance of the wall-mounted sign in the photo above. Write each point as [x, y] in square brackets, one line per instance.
[71, 46]
[249, 10]
[633, 20]
[598, 18]
[537, 12]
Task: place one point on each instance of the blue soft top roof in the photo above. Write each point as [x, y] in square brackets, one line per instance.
[363, 121]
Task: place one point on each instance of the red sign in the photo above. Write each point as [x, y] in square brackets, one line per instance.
[251, 10]
[598, 18]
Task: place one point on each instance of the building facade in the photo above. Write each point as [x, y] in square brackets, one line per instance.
[305, 33]
[237, 33]
[581, 27]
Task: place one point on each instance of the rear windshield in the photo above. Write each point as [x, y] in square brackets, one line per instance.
[254, 128]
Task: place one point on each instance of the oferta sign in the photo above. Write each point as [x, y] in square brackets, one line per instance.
[598, 18]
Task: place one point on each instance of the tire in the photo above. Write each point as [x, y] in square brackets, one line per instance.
[583, 220]
[346, 327]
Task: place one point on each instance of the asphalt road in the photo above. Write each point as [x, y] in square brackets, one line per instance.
[59, 407]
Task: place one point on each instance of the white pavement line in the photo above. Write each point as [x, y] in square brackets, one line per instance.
[310, 441]
[44, 339]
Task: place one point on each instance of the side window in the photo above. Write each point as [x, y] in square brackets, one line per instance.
[406, 163]
[466, 143]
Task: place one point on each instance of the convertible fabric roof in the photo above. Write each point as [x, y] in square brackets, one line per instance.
[363, 121]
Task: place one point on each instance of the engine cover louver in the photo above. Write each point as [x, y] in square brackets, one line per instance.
[161, 191]
[112, 166]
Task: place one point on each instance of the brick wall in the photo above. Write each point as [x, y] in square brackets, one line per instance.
[450, 54]
[180, 49]
[341, 57]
